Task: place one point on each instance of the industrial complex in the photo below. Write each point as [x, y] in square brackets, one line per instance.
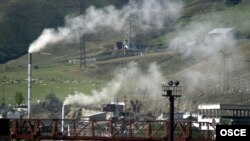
[130, 70]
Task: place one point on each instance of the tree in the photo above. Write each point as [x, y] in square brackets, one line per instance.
[136, 105]
[19, 98]
[232, 2]
[22, 23]
[52, 102]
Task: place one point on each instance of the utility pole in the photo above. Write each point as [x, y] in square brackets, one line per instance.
[82, 52]
[219, 92]
[240, 91]
[130, 42]
[3, 100]
[82, 40]
[130, 28]
[239, 88]
[125, 104]
[226, 72]
[171, 91]
[225, 80]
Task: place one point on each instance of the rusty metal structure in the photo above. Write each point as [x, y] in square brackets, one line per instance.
[121, 130]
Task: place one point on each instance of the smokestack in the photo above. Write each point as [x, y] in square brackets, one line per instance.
[62, 129]
[29, 84]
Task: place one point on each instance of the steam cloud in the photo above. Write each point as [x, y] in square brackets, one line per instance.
[148, 13]
[131, 77]
[214, 57]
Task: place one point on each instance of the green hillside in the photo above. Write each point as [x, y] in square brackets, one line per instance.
[201, 75]
[217, 16]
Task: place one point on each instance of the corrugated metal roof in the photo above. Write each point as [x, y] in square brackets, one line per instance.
[224, 106]
[220, 30]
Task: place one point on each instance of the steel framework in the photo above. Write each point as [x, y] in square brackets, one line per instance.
[38, 129]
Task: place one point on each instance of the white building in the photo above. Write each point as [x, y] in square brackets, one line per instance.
[221, 35]
[13, 115]
[165, 116]
[114, 109]
[77, 61]
[223, 114]
[95, 116]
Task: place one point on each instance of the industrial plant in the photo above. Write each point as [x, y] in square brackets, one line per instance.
[156, 70]
[115, 121]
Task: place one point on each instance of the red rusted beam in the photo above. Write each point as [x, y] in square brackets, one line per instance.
[54, 128]
[189, 130]
[14, 126]
[98, 130]
[37, 127]
[166, 127]
[182, 128]
[74, 128]
[111, 128]
[130, 131]
[31, 127]
[158, 130]
[149, 132]
[93, 128]
[100, 138]
[106, 138]
[80, 129]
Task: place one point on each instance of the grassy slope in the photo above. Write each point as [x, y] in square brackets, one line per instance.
[64, 79]
[61, 80]
[236, 17]
[57, 74]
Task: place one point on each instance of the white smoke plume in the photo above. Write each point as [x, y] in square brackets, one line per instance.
[195, 40]
[216, 56]
[130, 77]
[148, 13]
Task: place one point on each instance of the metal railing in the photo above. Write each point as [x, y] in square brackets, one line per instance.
[51, 129]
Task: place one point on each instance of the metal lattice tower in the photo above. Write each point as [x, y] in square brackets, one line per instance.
[82, 40]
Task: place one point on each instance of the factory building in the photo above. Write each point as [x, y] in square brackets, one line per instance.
[230, 114]
[221, 35]
[178, 115]
[114, 109]
[96, 116]
[13, 111]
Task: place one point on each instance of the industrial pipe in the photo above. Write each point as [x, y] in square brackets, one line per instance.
[29, 84]
[62, 128]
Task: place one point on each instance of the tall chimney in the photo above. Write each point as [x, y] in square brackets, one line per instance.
[29, 84]
[63, 115]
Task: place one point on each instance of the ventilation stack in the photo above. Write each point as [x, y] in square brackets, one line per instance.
[29, 84]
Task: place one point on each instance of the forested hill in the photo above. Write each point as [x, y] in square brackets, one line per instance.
[22, 21]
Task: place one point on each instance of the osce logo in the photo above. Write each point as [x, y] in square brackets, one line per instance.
[233, 132]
